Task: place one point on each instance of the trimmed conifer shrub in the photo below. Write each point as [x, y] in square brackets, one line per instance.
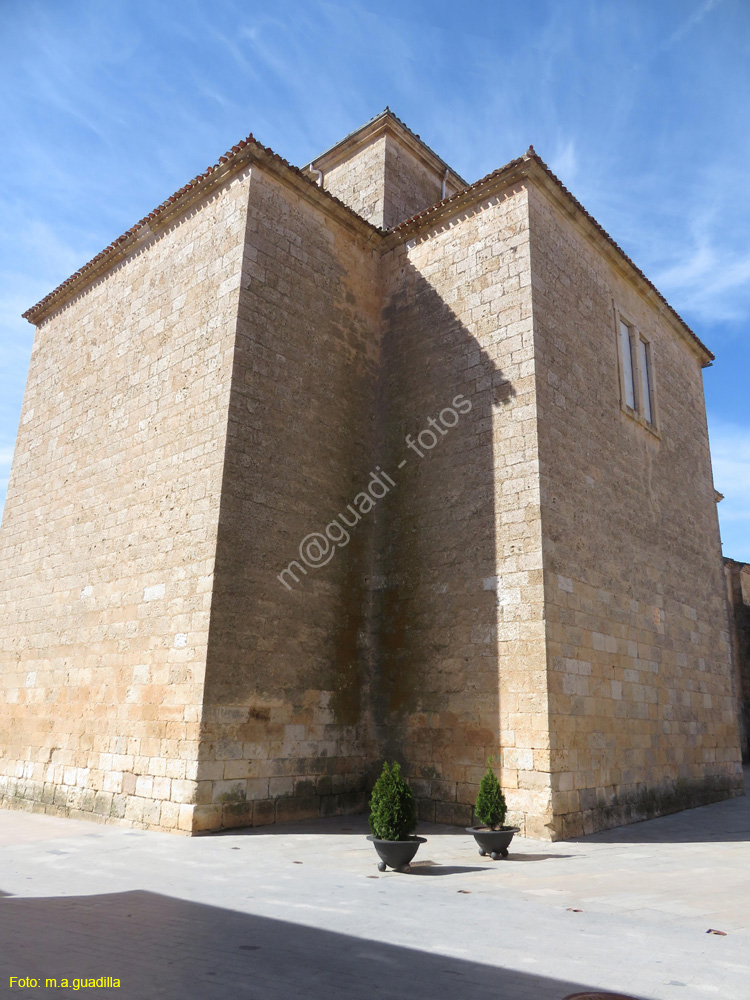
[490, 806]
[393, 813]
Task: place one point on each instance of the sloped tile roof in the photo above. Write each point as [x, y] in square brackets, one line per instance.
[236, 154]
[385, 114]
[243, 151]
[531, 155]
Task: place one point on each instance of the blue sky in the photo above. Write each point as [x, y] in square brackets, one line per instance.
[642, 108]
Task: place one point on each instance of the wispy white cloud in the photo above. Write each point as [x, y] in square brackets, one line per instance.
[730, 455]
[691, 22]
[6, 457]
[685, 223]
[52, 253]
[709, 282]
[564, 162]
[112, 107]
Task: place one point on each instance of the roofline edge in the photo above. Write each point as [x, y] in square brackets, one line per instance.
[533, 168]
[246, 153]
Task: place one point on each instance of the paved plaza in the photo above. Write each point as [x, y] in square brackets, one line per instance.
[302, 911]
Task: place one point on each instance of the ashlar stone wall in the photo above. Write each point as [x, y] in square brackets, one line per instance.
[284, 733]
[458, 590]
[109, 530]
[359, 181]
[738, 587]
[642, 711]
[538, 580]
[385, 181]
[410, 185]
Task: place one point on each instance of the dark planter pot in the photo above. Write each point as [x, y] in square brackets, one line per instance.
[493, 842]
[396, 853]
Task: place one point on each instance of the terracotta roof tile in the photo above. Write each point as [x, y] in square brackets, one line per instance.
[534, 156]
[88, 269]
[531, 154]
[387, 112]
[92, 266]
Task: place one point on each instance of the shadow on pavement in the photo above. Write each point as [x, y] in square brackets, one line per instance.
[513, 856]
[162, 948]
[434, 868]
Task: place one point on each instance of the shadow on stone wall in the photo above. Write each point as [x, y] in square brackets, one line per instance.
[737, 576]
[390, 649]
[434, 702]
[281, 735]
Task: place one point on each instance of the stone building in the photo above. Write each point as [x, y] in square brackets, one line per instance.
[738, 585]
[317, 467]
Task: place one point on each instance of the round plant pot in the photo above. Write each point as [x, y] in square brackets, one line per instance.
[493, 842]
[396, 853]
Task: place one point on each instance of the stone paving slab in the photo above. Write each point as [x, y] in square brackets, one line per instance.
[301, 911]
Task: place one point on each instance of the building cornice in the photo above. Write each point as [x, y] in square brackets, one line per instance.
[247, 153]
[386, 123]
[531, 168]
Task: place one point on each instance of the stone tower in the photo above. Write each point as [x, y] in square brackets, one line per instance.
[320, 466]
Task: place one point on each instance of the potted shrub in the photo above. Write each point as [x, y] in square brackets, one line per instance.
[393, 817]
[492, 837]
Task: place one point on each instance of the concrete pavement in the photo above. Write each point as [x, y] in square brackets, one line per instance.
[302, 911]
